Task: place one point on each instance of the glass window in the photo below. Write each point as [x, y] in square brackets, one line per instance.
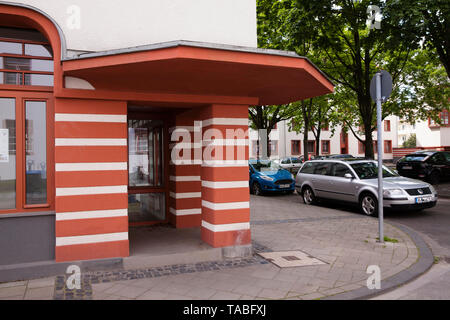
[10, 47]
[35, 152]
[285, 161]
[38, 50]
[265, 165]
[145, 153]
[308, 167]
[7, 153]
[32, 79]
[369, 170]
[13, 63]
[322, 168]
[339, 170]
[11, 78]
[144, 207]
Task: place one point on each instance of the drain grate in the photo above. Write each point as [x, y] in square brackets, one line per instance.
[285, 259]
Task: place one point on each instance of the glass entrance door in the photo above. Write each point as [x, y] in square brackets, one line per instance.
[147, 185]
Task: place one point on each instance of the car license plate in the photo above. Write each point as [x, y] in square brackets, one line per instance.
[407, 168]
[285, 185]
[424, 199]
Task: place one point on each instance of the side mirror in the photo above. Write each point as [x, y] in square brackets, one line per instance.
[348, 176]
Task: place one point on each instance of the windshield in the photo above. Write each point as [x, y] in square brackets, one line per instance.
[369, 170]
[262, 166]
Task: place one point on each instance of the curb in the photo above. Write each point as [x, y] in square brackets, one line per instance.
[423, 263]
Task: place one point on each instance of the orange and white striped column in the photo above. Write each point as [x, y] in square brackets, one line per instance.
[185, 170]
[91, 179]
[224, 176]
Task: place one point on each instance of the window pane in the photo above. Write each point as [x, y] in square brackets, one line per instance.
[12, 63]
[10, 47]
[146, 207]
[7, 153]
[10, 78]
[38, 50]
[145, 153]
[35, 152]
[38, 79]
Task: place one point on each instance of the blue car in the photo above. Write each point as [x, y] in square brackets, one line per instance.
[268, 176]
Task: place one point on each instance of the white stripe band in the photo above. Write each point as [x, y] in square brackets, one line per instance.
[81, 191]
[185, 195]
[95, 238]
[225, 121]
[184, 178]
[185, 145]
[226, 142]
[91, 166]
[186, 212]
[226, 227]
[83, 117]
[224, 184]
[89, 142]
[226, 205]
[62, 216]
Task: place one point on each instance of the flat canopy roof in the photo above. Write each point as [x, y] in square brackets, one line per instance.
[182, 67]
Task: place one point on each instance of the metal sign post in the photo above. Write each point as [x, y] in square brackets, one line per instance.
[380, 89]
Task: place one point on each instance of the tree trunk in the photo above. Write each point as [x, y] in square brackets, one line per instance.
[318, 141]
[368, 143]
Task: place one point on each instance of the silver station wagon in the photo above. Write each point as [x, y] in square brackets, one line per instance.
[356, 181]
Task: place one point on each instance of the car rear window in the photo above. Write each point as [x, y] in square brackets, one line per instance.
[447, 155]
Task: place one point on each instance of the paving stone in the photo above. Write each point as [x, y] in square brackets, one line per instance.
[12, 291]
[41, 293]
[249, 290]
[225, 296]
[202, 293]
[153, 295]
[272, 294]
[130, 292]
[39, 283]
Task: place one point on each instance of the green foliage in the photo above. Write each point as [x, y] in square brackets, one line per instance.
[333, 34]
[410, 142]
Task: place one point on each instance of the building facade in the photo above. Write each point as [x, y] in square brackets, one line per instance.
[287, 143]
[115, 116]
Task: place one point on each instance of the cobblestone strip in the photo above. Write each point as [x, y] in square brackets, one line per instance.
[87, 279]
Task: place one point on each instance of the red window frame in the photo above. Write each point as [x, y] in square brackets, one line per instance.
[325, 142]
[21, 97]
[314, 149]
[387, 146]
[387, 125]
[298, 145]
[444, 117]
[24, 56]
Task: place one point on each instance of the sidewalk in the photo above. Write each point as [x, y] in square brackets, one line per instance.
[344, 241]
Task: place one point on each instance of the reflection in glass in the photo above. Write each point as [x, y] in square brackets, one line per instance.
[145, 153]
[10, 47]
[10, 78]
[32, 79]
[13, 63]
[7, 153]
[146, 207]
[35, 152]
[38, 50]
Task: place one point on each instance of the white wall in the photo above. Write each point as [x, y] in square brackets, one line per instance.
[113, 24]
[284, 137]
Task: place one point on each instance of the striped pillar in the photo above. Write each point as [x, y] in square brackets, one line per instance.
[91, 179]
[185, 170]
[224, 176]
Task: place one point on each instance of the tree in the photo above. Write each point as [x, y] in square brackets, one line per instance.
[410, 142]
[350, 53]
[425, 22]
[266, 117]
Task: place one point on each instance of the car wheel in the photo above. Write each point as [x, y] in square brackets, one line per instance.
[369, 205]
[256, 189]
[434, 177]
[308, 196]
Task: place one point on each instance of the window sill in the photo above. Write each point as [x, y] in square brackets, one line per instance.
[27, 214]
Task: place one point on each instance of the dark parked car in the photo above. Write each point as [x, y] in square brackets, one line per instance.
[430, 165]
